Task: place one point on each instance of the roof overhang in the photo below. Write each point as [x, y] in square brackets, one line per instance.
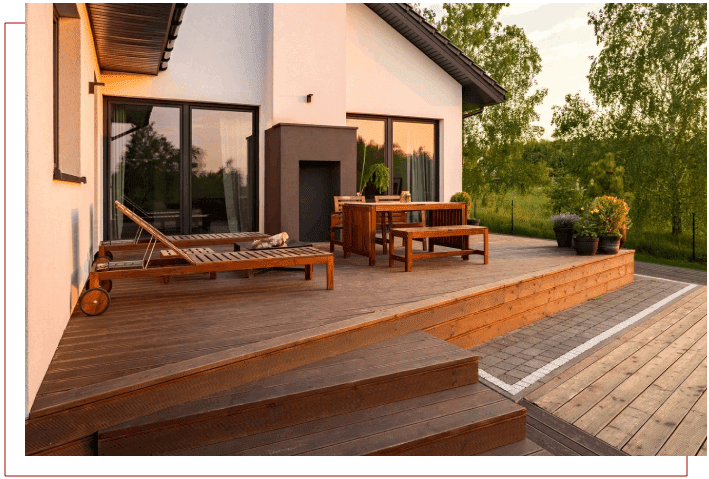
[479, 89]
[135, 37]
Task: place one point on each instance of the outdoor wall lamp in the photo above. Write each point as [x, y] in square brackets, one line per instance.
[309, 97]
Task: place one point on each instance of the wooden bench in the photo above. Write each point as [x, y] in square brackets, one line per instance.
[409, 234]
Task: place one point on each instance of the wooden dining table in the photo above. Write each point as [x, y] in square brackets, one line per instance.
[359, 223]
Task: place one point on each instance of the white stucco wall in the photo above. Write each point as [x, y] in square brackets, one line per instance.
[387, 75]
[309, 57]
[62, 217]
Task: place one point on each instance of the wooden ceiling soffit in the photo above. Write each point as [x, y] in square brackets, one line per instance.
[135, 37]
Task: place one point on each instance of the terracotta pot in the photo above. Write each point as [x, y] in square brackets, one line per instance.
[472, 222]
[623, 232]
[586, 246]
[564, 236]
[608, 244]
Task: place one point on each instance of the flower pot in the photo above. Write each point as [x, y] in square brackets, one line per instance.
[586, 246]
[473, 222]
[564, 236]
[608, 244]
[623, 232]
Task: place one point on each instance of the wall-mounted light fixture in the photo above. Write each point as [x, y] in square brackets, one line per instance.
[309, 98]
[93, 84]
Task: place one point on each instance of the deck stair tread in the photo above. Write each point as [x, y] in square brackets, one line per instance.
[526, 447]
[459, 421]
[415, 364]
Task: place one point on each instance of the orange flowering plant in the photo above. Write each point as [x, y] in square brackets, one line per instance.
[610, 214]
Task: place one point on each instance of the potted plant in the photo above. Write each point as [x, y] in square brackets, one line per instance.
[463, 197]
[378, 176]
[612, 222]
[564, 228]
[586, 236]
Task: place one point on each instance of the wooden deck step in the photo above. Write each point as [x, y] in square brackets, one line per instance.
[416, 364]
[524, 447]
[460, 421]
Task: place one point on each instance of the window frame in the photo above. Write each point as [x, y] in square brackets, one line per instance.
[389, 142]
[185, 112]
[57, 173]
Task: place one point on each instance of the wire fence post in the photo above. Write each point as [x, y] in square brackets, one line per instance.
[694, 256]
[512, 231]
[475, 209]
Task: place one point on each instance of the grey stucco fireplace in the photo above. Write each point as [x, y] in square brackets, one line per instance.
[305, 166]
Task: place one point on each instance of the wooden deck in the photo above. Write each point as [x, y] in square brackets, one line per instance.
[644, 393]
[160, 345]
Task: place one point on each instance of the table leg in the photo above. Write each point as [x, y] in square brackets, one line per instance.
[485, 245]
[384, 231]
[466, 243]
[409, 251]
[308, 272]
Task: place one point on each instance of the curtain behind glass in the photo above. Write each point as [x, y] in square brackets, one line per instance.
[223, 192]
[414, 159]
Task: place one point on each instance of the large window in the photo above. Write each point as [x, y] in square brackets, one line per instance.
[409, 147]
[183, 167]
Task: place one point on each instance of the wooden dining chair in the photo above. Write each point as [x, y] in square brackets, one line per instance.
[336, 218]
[400, 219]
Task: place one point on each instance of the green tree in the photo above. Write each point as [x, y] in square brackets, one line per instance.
[651, 77]
[494, 139]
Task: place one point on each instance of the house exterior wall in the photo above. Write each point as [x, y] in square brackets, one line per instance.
[309, 57]
[387, 75]
[62, 217]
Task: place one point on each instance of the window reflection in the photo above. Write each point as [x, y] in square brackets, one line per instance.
[414, 165]
[370, 148]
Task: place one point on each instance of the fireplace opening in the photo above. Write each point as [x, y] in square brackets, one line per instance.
[319, 182]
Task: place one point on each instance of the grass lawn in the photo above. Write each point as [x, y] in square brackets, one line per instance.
[531, 218]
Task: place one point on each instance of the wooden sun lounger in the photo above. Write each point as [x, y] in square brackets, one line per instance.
[96, 299]
[106, 248]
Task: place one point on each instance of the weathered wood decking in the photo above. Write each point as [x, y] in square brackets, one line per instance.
[160, 345]
[644, 393]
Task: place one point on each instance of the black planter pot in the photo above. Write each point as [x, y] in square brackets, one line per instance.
[608, 244]
[586, 246]
[564, 236]
[473, 222]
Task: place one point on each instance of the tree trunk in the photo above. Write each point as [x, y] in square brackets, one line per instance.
[676, 224]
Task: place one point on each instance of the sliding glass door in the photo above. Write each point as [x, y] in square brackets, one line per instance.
[223, 177]
[183, 167]
[144, 167]
[409, 147]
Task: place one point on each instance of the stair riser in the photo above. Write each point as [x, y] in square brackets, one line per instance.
[255, 418]
[467, 441]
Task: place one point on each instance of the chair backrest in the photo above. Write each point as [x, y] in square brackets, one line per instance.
[153, 231]
[382, 198]
[399, 216]
[338, 200]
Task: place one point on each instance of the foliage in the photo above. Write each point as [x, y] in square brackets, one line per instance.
[378, 174]
[463, 197]
[613, 215]
[651, 77]
[494, 139]
[565, 220]
[586, 227]
[606, 178]
[565, 194]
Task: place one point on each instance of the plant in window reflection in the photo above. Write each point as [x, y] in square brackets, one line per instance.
[378, 174]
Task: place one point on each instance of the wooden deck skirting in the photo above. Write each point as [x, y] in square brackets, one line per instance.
[69, 419]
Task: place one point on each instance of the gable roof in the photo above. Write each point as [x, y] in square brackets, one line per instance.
[479, 89]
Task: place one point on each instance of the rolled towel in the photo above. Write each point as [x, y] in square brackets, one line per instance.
[271, 242]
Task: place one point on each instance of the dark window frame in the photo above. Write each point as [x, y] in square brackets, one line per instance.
[389, 142]
[185, 113]
[58, 174]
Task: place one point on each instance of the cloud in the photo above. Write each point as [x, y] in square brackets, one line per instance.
[563, 27]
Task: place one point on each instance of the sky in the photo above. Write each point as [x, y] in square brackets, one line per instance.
[561, 33]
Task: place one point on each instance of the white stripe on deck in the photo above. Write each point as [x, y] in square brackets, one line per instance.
[558, 362]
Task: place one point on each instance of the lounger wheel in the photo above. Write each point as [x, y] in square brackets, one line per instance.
[106, 253]
[102, 259]
[94, 301]
[106, 284]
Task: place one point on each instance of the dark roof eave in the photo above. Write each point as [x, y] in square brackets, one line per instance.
[412, 26]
